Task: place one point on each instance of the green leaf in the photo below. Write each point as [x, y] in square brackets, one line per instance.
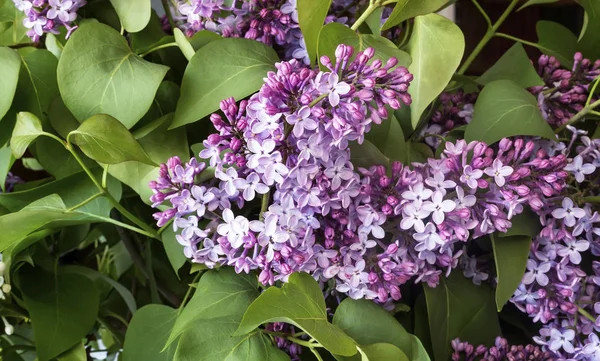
[333, 34]
[61, 118]
[231, 67]
[95, 275]
[367, 323]
[367, 154]
[419, 152]
[106, 140]
[99, 74]
[220, 293]
[56, 160]
[212, 340]
[589, 40]
[160, 144]
[299, 302]
[505, 109]
[147, 333]
[535, 2]
[134, 14]
[10, 63]
[311, 16]
[173, 249]
[37, 82]
[513, 65]
[458, 308]
[53, 45]
[6, 162]
[63, 308]
[184, 44]
[146, 39]
[510, 255]
[389, 138]
[374, 21]
[202, 38]
[75, 353]
[436, 47]
[407, 9]
[526, 223]
[12, 30]
[382, 352]
[27, 129]
[557, 41]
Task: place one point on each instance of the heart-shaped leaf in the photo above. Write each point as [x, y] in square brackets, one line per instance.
[10, 63]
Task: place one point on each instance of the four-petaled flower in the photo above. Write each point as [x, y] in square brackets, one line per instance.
[331, 83]
[499, 171]
[568, 212]
[234, 228]
[470, 176]
[438, 206]
[537, 272]
[579, 169]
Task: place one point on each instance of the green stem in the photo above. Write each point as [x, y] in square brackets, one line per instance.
[372, 6]
[586, 314]
[483, 13]
[167, 8]
[148, 230]
[592, 199]
[151, 279]
[188, 293]
[300, 342]
[487, 37]
[578, 116]
[158, 47]
[85, 202]
[589, 99]
[316, 353]
[318, 99]
[264, 205]
[524, 42]
[594, 112]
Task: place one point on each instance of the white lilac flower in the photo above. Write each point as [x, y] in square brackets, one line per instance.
[568, 212]
[250, 186]
[580, 170]
[234, 228]
[417, 194]
[439, 207]
[470, 176]
[562, 340]
[499, 171]
[413, 217]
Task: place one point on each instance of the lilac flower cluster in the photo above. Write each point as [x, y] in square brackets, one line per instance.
[556, 289]
[281, 331]
[501, 351]
[11, 181]
[565, 91]
[272, 22]
[291, 140]
[47, 16]
[456, 110]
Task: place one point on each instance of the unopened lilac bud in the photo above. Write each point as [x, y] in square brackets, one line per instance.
[235, 144]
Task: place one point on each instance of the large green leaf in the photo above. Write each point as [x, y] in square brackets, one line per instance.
[75, 353]
[367, 323]
[219, 70]
[10, 63]
[526, 223]
[381, 352]
[367, 154]
[557, 41]
[202, 38]
[389, 138]
[12, 30]
[299, 302]
[505, 109]
[333, 34]
[99, 74]
[159, 144]
[407, 9]
[6, 162]
[173, 249]
[134, 14]
[212, 340]
[27, 129]
[37, 82]
[106, 140]
[220, 293]
[63, 308]
[513, 65]
[510, 255]
[147, 334]
[589, 40]
[436, 47]
[458, 308]
[56, 160]
[311, 16]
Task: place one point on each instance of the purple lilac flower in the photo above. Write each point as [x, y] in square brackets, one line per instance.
[565, 91]
[500, 351]
[11, 181]
[47, 16]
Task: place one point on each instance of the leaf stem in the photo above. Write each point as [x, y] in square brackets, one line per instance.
[592, 199]
[589, 99]
[264, 205]
[487, 37]
[85, 202]
[316, 353]
[483, 13]
[578, 116]
[148, 230]
[586, 314]
[188, 293]
[372, 6]
[524, 42]
[158, 47]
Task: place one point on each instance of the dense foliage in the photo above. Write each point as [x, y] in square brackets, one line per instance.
[295, 180]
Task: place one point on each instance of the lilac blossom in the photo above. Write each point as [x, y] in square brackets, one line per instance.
[48, 16]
